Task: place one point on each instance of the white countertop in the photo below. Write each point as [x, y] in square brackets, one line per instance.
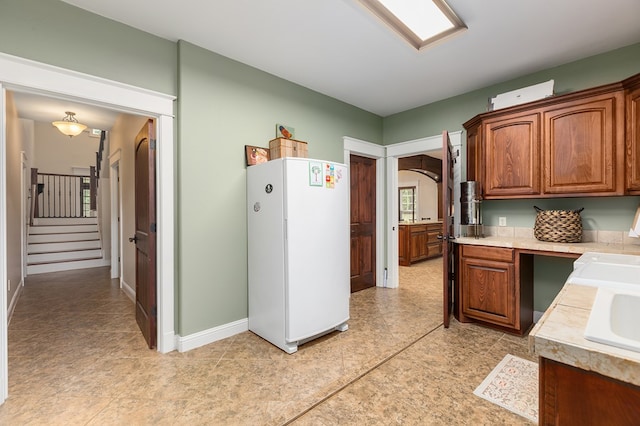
[559, 336]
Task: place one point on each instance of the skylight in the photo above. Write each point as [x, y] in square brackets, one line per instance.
[420, 22]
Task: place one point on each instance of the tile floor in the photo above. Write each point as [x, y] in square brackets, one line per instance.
[77, 358]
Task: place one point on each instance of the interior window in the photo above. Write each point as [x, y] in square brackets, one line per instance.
[407, 202]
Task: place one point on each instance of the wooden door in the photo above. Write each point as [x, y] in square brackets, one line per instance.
[363, 222]
[447, 227]
[145, 237]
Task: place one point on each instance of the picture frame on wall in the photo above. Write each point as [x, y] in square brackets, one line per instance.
[286, 132]
[256, 155]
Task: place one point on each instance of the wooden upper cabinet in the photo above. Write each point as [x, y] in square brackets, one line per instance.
[632, 154]
[512, 155]
[582, 142]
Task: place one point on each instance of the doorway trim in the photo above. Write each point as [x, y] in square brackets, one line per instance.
[403, 149]
[35, 77]
[116, 210]
[377, 152]
[24, 195]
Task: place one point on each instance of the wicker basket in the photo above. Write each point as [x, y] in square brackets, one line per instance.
[558, 226]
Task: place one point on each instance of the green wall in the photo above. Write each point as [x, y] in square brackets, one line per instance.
[223, 106]
[450, 114]
[59, 34]
[606, 213]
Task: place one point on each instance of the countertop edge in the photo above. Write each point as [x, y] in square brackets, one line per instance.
[533, 244]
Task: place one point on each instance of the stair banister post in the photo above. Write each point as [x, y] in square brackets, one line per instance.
[34, 195]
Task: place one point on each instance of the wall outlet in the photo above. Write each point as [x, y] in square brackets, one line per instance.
[502, 221]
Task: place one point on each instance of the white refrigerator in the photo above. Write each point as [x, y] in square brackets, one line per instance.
[298, 250]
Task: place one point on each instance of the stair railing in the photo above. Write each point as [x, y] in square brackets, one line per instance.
[59, 195]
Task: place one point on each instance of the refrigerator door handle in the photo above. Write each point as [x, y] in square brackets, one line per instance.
[285, 229]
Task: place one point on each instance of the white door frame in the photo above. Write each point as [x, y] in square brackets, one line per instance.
[116, 210]
[25, 177]
[25, 75]
[403, 149]
[377, 152]
[4, 354]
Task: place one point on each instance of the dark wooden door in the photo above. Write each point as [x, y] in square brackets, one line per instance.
[363, 222]
[145, 238]
[447, 226]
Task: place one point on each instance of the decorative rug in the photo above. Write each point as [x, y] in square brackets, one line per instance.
[513, 384]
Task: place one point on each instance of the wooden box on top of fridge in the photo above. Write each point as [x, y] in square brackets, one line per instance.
[281, 147]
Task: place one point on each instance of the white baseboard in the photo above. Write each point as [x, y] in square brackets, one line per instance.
[537, 315]
[14, 301]
[128, 290]
[192, 341]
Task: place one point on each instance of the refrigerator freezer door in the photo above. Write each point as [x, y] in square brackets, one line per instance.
[266, 273]
[317, 248]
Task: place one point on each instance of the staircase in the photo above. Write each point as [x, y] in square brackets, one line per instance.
[61, 244]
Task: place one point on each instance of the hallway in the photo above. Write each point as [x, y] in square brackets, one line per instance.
[76, 357]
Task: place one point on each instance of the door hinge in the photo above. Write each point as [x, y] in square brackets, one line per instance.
[152, 144]
[153, 227]
[154, 311]
[452, 276]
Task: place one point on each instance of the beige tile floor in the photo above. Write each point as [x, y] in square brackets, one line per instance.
[77, 358]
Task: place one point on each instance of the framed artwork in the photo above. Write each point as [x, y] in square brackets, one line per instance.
[316, 177]
[256, 155]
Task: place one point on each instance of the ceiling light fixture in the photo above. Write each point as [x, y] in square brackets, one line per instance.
[420, 22]
[69, 125]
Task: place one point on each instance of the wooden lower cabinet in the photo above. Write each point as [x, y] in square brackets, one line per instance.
[434, 244]
[418, 242]
[495, 287]
[571, 396]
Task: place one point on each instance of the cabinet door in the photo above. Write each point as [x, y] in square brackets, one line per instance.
[489, 291]
[571, 396]
[474, 153]
[418, 243]
[403, 245]
[582, 142]
[512, 156]
[633, 142]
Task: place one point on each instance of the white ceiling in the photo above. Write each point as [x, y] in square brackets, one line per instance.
[338, 48]
[45, 109]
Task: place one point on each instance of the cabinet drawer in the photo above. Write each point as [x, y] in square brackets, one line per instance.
[434, 250]
[418, 228]
[490, 253]
[432, 236]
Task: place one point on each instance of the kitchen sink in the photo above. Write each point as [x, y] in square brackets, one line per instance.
[614, 319]
[607, 270]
